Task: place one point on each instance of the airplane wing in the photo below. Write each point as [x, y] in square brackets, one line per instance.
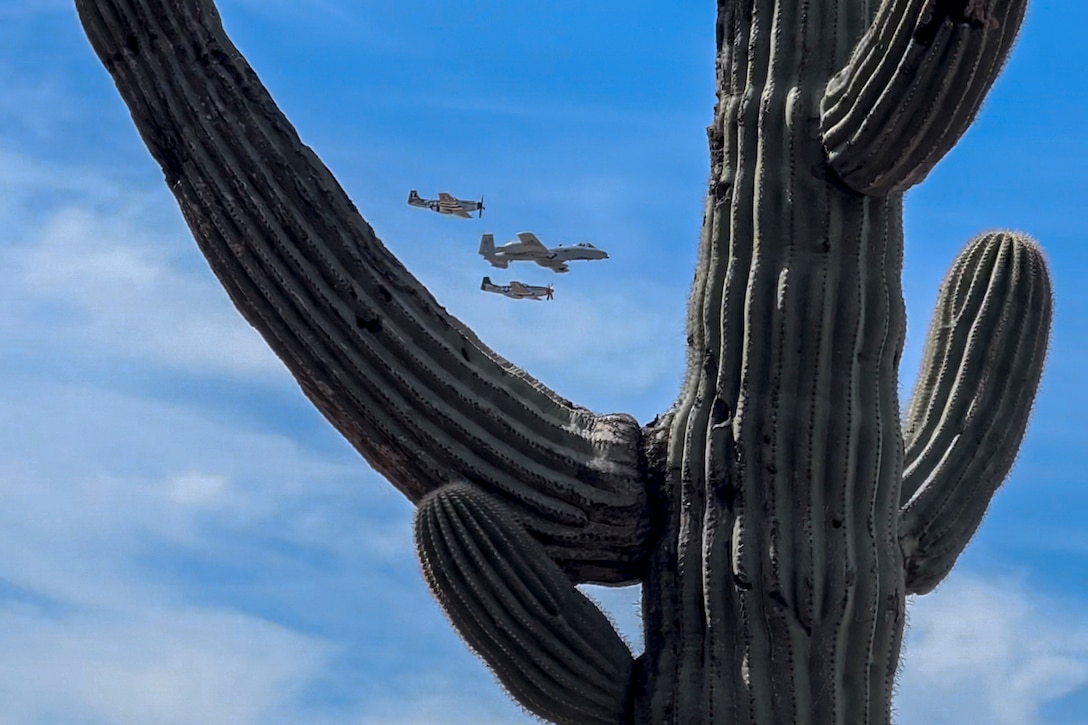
[447, 204]
[529, 240]
[518, 288]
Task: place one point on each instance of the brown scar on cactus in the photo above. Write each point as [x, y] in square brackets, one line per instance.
[779, 512]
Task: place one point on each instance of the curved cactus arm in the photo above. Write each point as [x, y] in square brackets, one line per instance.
[416, 392]
[550, 646]
[981, 368]
[913, 85]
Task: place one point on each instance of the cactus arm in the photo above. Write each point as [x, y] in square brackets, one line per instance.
[913, 85]
[550, 646]
[981, 368]
[416, 392]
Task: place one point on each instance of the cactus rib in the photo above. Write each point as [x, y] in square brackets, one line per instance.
[549, 645]
[981, 368]
[415, 391]
[912, 87]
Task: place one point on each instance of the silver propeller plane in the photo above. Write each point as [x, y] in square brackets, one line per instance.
[447, 204]
[518, 290]
[528, 248]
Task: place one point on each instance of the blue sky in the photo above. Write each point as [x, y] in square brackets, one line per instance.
[183, 539]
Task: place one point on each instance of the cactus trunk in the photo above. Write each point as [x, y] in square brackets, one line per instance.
[782, 474]
[767, 513]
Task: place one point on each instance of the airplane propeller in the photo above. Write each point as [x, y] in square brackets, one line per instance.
[548, 292]
[480, 208]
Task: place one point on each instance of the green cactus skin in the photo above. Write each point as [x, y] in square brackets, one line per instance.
[777, 515]
[912, 87]
[981, 365]
[549, 645]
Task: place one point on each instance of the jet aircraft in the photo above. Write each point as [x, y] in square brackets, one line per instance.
[447, 204]
[518, 290]
[529, 248]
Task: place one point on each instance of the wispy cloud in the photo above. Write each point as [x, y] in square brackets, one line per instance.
[990, 651]
[99, 276]
[121, 518]
[437, 698]
[164, 666]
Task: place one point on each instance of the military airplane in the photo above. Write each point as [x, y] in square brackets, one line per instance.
[446, 204]
[528, 248]
[518, 290]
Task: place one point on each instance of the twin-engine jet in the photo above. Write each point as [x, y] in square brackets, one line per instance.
[518, 290]
[447, 204]
[528, 248]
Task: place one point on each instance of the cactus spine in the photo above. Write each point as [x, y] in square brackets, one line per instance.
[777, 515]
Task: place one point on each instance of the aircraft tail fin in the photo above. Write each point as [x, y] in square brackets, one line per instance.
[413, 196]
[487, 246]
[486, 283]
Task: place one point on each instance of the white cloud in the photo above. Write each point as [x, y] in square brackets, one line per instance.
[606, 340]
[93, 480]
[194, 488]
[114, 288]
[994, 652]
[122, 517]
[163, 666]
[91, 270]
[448, 707]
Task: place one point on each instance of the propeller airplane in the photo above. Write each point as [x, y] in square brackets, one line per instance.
[518, 290]
[447, 204]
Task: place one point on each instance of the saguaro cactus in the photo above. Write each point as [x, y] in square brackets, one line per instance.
[777, 515]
